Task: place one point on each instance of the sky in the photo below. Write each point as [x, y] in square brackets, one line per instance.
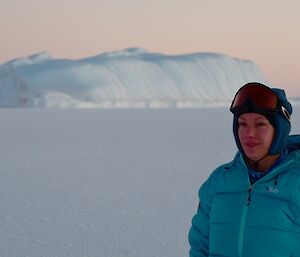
[266, 31]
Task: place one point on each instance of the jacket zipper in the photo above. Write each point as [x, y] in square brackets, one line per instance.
[249, 196]
[243, 221]
[246, 206]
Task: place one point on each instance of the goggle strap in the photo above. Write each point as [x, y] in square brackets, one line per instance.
[285, 113]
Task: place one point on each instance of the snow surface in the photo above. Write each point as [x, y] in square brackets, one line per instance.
[106, 183]
[128, 78]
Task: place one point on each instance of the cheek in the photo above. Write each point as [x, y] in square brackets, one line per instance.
[241, 132]
[268, 136]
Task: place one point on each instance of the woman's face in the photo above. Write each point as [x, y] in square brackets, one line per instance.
[255, 134]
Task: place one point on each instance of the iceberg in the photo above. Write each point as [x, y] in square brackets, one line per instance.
[130, 78]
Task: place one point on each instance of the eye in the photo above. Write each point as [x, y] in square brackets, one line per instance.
[242, 124]
[261, 124]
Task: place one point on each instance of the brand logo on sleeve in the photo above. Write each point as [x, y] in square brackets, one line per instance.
[272, 189]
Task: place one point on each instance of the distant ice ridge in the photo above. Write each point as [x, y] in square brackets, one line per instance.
[130, 78]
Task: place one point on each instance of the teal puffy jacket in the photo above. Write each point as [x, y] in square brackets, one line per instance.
[235, 219]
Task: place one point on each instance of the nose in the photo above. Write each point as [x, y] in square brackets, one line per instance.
[250, 131]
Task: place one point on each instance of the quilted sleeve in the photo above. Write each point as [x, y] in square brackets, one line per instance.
[199, 232]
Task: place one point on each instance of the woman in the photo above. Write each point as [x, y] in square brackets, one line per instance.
[250, 207]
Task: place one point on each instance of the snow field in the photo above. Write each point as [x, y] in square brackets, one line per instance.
[106, 183]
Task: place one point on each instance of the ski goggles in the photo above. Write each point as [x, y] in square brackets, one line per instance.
[262, 98]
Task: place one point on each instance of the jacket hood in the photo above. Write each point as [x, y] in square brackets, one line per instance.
[293, 150]
[293, 143]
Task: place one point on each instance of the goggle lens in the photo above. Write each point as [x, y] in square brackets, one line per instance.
[260, 95]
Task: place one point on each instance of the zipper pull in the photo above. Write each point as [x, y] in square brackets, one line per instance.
[249, 196]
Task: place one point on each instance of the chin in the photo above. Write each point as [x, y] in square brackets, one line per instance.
[255, 156]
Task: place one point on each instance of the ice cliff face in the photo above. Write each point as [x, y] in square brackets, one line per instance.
[128, 78]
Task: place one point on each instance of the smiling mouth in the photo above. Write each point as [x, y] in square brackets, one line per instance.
[250, 145]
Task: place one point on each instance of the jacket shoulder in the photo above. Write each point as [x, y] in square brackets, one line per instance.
[228, 166]
[217, 177]
[293, 143]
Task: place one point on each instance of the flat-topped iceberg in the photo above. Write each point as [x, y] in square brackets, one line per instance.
[130, 78]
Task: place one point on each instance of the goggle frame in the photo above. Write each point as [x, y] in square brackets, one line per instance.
[262, 98]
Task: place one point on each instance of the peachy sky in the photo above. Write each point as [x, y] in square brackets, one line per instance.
[264, 31]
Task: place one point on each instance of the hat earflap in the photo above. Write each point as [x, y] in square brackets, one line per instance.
[282, 130]
[235, 133]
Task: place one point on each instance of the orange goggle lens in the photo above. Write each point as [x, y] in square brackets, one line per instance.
[261, 96]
